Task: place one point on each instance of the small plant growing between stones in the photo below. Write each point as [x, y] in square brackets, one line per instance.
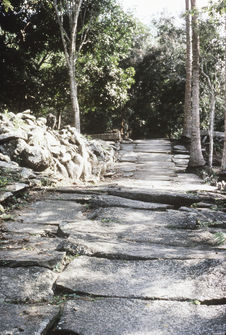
[196, 302]
[218, 236]
[60, 299]
[207, 224]
[220, 239]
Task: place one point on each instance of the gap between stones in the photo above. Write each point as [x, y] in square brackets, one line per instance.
[61, 291]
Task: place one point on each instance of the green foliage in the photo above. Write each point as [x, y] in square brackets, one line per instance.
[158, 92]
[220, 238]
[123, 72]
[212, 65]
[7, 5]
[103, 80]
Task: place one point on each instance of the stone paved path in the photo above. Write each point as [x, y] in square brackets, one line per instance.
[137, 256]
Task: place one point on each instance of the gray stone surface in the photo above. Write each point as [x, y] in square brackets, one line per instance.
[128, 216]
[108, 247]
[29, 257]
[133, 250]
[50, 211]
[32, 284]
[161, 279]
[147, 231]
[26, 320]
[174, 198]
[136, 317]
[114, 201]
[154, 157]
[29, 228]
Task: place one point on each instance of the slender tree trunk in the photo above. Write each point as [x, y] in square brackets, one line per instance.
[59, 115]
[74, 97]
[187, 102]
[223, 163]
[211, 128]
[71, 9]
[196, 157]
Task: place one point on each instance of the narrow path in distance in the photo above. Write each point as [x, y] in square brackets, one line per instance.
[142, 254]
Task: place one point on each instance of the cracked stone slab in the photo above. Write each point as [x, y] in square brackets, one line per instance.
[13, 241]
[32, 284]
[114, 201]
[50, 211]
[154, 157]
[169, 218]
[137, 317]
[160, 279]
[153, 149]
[108, 247]
[147, 232]
[156, 165]
[28, 228]
[26, 320]
[29, 257]
[173, 198]
[151, 176]
[155, 170]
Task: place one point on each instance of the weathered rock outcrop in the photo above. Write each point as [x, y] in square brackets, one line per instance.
[29, 143]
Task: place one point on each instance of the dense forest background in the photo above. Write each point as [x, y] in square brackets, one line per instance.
[125, 71]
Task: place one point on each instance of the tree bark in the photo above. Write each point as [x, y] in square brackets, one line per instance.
[211, 128]
[74, 98]
[196, 157]
[72, 10]
[187, 102]
[223, 163]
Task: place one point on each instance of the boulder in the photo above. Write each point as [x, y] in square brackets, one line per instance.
[65, 153]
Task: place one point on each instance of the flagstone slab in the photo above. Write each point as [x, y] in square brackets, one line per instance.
[137, 317]
[132, 226]
[156, 165]
[29, 257]
[28, 228]
[140, 235]
[154, 157]
[29, 284]
[153, 149]
[160, 279]
[27, 320]
[174, 198]
[50, 211]
[150, 176]
[114, 201]
[108, 247]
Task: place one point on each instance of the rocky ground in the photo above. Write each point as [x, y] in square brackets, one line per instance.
[143, 253]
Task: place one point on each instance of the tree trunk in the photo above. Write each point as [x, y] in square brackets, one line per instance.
[187, 102]
[74, 98]
[211, 128]
[223, 163]
[196, 157]
[71, 9]
[59, 116]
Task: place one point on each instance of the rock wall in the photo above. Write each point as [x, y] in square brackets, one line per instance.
[28, 144]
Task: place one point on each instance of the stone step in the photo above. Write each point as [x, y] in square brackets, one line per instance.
[27, 319]
[156, 165]
[159, 279]
[27, 284]
[154, 157]
[151, 176]
[130, 316]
